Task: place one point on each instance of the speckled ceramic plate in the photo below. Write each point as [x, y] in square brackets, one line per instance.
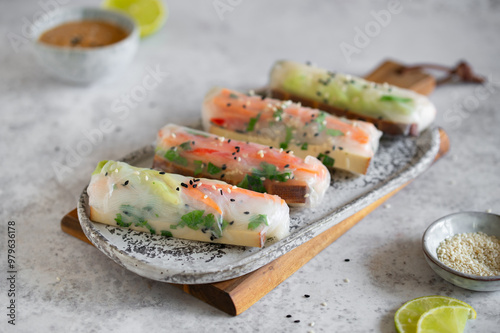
[397, 161]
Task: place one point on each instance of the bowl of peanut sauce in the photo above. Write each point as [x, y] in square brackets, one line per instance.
[84, 45]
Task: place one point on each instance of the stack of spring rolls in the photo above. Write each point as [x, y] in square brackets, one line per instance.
[234, 183]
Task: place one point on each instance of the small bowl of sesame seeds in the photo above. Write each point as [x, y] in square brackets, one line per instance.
[464, 249]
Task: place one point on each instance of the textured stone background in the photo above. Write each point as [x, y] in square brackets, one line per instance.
[65, 285]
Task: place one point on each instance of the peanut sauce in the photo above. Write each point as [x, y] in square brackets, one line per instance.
[85, 34]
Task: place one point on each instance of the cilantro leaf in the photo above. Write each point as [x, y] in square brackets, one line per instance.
[231, 95]
[304, 146]
[119, 221]
[257, 220]
[166, 233]
[392, 98]
[278, 114]
[334, 132]
[254, 183]
[269, 171]
[320, 119]
[212, 169]
[173, 156]
[192, 219]
[288, 138]
[186, 145]
[252, 123]
[327, 160]
[198, 167]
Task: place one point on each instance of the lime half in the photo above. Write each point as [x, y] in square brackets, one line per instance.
[150, 15]
[407, 316]
[444, 319]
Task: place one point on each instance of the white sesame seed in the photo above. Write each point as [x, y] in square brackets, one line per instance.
[387, 206]
[239, 159]
[262, 178]
[324, 304]
[306, 195]
[346, 280]
[58, 279]
[205, 196]
[146, 177]
[221, 138]
[488, 210]
[281, 150]
[311, 323]
[228, 190]
[213, 187]
[173, 135]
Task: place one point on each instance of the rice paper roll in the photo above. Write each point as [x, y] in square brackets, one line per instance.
[300, 182]
[393, 110]
[337, 142]
[184, 207]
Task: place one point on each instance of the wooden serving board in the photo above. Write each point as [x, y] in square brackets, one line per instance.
[236, 295]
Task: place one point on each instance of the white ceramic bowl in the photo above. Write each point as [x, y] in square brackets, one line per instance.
[456, 224]
[85, 65]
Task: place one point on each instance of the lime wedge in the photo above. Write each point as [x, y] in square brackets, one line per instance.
[444, 319]
[407, 316]
[150, 15]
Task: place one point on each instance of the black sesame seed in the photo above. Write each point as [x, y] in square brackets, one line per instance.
[231, 223]
[222, 176]
[288, 151]
[244, 106]
[235, 157]
[318, 93]
[193, 142]
[221, 193]
[307, 296]
[162, 172]
[177, 189]
[195, 185]
[212, 237]
[190, 182]
[347, 260]
[106, 174]
[333, 148]
[126, 183]
[263, 97]
[289, 316]
[223, 167]
[316, 134]
[308, 63]
[233, 154]
[340, 148]
[246, 213]
[287, 165]
[228, 104]
[327, 152]
[228, 140]
[232, 200]
[270, 147]
[296, 321]
[184, 185]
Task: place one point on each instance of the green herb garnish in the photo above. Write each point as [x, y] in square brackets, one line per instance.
[288, 138]
[392, 98]
[173, 156]
[252, 183]
[186, 145]
[257, 220]
[212, 169]
[196, 220]
[119, 221]
[269, 171]
[327, 160]
[278, 114]
[334, 132]
[166, 233]
[304, 146]
[198, 167]
[231, 95]
[252, 123]
[320, 119]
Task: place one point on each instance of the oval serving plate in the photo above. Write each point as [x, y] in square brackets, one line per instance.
[397, 161]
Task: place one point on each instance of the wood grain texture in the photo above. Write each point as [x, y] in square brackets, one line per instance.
[237, 295]
[393, 73]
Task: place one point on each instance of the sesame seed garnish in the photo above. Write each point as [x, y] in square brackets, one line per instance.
[184, 185]
[190, 182]
[289, 316]
[232, 200]
[296, 321]
[162, 172]
[246, 213]
[347, 260]
[126, 183]
[228, 190]
[173, 135]
[223, 167]
[307, 296]
[195, 185]
[340, 148]
[205, 196]
[306, 195]
[287, 165]
[221, 193]
[146, 177]
[228, 104]
[239, 159]
[221, 138]
[177, 189]
[214, 188]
